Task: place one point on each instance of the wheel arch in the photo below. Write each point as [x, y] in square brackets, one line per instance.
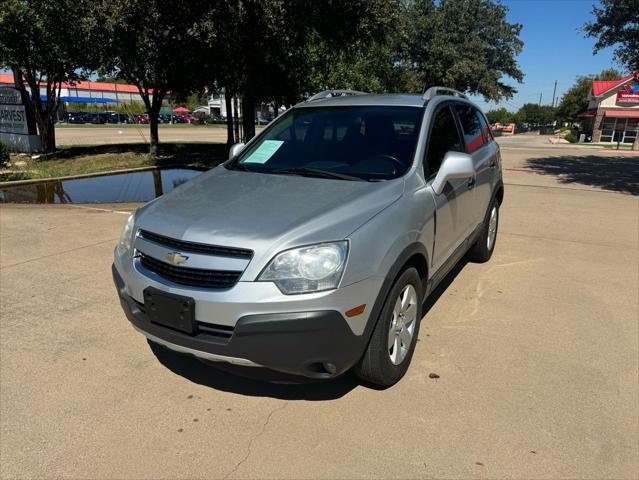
[414, 255]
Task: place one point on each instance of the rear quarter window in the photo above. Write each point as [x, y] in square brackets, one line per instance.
[474, 132]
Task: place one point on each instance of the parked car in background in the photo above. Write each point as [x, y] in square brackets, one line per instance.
[97, 118]
[142, 118]
[178, 119]
[76, 117]
[313, 248]
[117, 117]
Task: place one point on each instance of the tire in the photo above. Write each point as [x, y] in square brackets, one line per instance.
[484, 247]
[383, 365]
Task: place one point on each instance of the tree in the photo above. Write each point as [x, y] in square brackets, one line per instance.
[500, 115]
[44, 43]
[155, 45]
[536, 114]
[464, 44]
[616, 25]
[575, 101]
[271, 49]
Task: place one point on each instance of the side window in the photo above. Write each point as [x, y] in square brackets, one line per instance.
[471, 125]
[485, 128]
[444, 137]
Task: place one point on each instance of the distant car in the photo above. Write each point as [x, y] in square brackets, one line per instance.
[97, 118]
[189, 118]
[178, 119]
[77, 117]
[142, 118]
[112, 117]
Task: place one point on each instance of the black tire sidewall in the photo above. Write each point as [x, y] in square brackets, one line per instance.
[386, 372]
[480, 252]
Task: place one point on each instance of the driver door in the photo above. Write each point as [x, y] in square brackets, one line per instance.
[454, 207]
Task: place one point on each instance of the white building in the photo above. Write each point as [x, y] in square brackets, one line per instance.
[88, 92]
[613, 111]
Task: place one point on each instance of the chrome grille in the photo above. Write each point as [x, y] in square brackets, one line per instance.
[192, 277]
[195, 247]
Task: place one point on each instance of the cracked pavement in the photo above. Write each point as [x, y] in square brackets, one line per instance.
[535, 354]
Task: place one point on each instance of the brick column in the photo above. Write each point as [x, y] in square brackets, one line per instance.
[635, 146]
[596, 128]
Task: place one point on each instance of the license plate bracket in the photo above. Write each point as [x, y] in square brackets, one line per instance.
[170, 310]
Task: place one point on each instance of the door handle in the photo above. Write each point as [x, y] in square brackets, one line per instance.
[471, 183]
[493, 164]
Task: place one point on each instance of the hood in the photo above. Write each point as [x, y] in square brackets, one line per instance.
[264, 212]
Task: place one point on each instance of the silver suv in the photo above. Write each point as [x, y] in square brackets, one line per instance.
[312, 249]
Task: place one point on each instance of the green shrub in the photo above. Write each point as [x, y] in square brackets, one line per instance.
[572, 138]
[4, 155]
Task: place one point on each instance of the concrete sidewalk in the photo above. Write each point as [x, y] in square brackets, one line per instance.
[536, 352]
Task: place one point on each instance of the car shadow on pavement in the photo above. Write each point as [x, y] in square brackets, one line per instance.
[251, 381]
[618, 174]
[262, 382]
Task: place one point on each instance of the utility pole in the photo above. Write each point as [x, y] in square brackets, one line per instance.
[554, 90]
[540, 94]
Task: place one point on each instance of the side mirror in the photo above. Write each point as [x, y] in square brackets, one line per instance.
[454, 165]
[235, 149]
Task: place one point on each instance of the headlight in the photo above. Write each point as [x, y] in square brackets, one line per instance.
[126, 237]
[307, 269]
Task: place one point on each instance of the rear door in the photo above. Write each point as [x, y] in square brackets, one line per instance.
[455, 202]
[480, 144]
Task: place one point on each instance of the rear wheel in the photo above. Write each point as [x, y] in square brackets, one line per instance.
[393, 341]
[483, 248]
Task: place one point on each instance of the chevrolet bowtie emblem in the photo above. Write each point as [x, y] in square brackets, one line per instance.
[176, 258]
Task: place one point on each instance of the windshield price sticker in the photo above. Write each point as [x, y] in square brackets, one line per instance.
[264, 152]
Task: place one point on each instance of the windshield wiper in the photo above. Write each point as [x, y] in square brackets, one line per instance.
[238, 166]
[312, 172]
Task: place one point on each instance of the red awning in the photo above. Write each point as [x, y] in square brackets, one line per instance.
[589, 113]
[622, 113]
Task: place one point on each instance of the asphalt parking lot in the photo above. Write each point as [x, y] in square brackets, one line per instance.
[537, 354]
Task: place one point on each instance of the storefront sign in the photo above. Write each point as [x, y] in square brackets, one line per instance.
[13, 118]
[14, 124]
[628, 95]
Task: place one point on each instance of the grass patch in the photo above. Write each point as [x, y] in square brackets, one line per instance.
[79, 160]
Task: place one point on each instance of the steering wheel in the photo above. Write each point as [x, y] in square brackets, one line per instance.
[388, 158]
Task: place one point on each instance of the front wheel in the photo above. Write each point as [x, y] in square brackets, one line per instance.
[483, 248]
[393, 341]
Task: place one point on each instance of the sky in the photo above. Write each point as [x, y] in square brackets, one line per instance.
[554, 49]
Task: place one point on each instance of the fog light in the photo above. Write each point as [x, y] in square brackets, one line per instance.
[330, 367]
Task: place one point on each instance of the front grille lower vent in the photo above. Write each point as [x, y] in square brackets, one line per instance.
[194, 247]
[192, 277]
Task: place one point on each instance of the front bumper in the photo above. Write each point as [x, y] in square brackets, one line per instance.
[316, 344]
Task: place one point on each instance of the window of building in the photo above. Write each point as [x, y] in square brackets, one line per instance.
[630, 134]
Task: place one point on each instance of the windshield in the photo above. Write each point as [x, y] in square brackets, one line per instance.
[347, 143]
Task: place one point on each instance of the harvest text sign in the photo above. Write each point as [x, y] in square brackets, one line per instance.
[13, 119]
[14, 126]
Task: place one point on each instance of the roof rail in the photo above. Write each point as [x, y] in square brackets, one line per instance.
[334, 93]
[433, 92]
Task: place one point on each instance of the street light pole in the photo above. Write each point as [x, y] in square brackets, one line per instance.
[554, 90]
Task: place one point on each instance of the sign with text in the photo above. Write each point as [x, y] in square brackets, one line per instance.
[628, 95]
[13, 118]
